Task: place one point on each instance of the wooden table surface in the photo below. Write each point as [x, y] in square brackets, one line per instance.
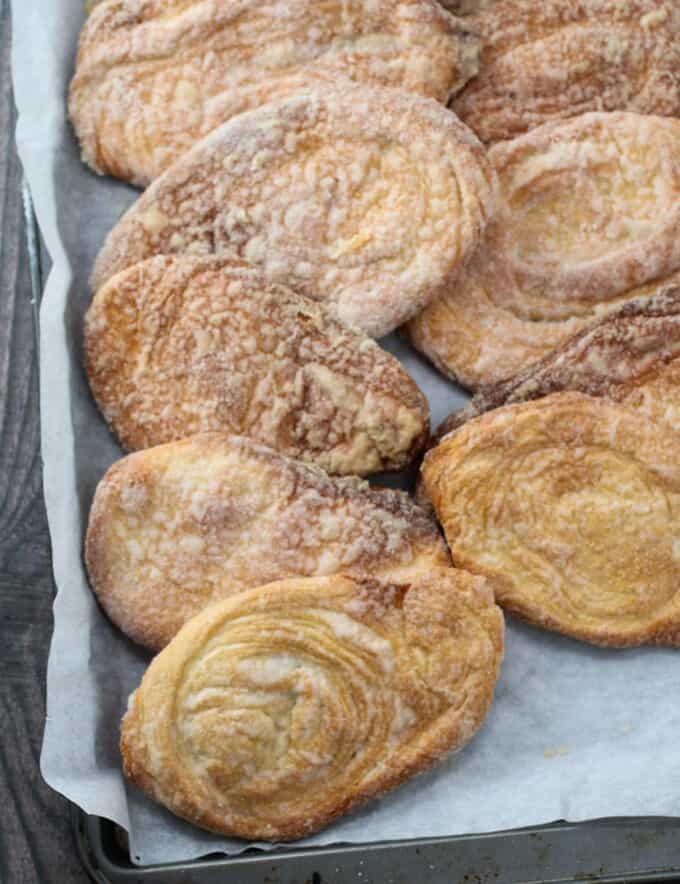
[36, 844]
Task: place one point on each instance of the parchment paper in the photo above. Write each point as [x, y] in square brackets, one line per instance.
[576, 733]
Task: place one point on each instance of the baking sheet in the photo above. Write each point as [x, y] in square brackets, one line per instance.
[576, 732]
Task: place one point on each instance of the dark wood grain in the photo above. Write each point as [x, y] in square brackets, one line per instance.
[36, 844]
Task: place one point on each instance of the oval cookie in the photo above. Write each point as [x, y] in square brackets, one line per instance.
[589, 218]
[176, 527]
[365, 198]
[552, 59]
[632, 355]
[274, 712]
[570, 505]
[176, 346]
[152, 77]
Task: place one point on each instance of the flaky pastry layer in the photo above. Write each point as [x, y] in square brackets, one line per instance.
[178, 526]
[155, 76]
[176, 346]
[554, 59]
[367, 199]
[276, 711]
[570, 505]
[632, 355]
[589, 219]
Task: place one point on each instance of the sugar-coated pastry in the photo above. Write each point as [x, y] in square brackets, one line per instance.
[278, 710]
[570, 506]
[154, 76]
[368, 199]
[589, 217]
[544, 60]
[176, 346]
[176, 527]
[632, 355]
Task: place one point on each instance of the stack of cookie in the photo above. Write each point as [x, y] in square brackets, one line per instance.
[505, 187]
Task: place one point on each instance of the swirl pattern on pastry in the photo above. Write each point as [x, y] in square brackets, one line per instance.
[570, 505]
[549, 60]
[153, 77]
[589, 219]
[176, 346]
[178, 526]
[274, 712]
[632, 355]
[368, 199]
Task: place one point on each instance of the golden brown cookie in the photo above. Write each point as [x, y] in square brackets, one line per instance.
[176, 527]
[155, 76]
[176, 346]
[589, 219]
[544, 60]
[570, 505]
[275, 712]
[368, 199]
[632, 355]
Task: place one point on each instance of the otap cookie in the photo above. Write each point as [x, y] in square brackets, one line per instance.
[554, 59]
[176, 527]
[176, 346]
[632, 355]
[368, 199]
[154, 76]
[274, 712]
[589, 218]
[570, 506]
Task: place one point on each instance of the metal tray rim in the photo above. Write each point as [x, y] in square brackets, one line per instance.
[106, 868]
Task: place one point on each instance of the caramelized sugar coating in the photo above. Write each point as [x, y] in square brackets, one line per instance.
[589, 219]
[368, 199]
[544, 60]
[632, 355]
[176, 346]
[570, 505]
[153, 77]
[274, 712]
[176, 527]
